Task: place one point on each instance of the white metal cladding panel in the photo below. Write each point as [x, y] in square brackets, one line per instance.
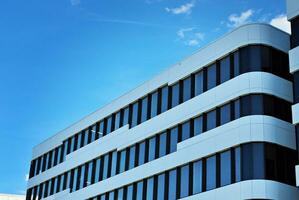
[254, 82]
[294, 59]
[244, 35]
[292, 8]
[247, 129]
[295, 113]
[252, 189]
[297, 175]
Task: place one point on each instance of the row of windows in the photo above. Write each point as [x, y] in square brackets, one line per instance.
[166, 142]
[246, 59]
[296, 87]
[246, 162]
[295, 32]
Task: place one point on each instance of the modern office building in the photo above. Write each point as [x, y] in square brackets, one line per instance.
[217, 125]
[293, 17]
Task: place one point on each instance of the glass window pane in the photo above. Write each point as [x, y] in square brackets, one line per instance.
[120, 194]
[101, 129]
[117, 123]
[173, 139]
[225, 168]
[97, 170]
[211, 120]
[144, 109]
[175, 91]
[225, 114]
[184, 185]
[141, 156]
[122, 165]
[150, 189]
[187, 89]
[93, 133]
[126, 116]
[130, 192]
[258, 161]
[237, 112]
[172, 188]
[211, 173]
[236, 64]
[106, 167]
[256, 104]
[225, 69]
[109, 125]
[139, 194]
[199, 83]
[89, 173]
[75, 180]
[81, 179]
[198, 125]
[186, 131]
[238, 164]
[197, 177]
[211, 76]
[134, 121]
[113, 163]
[132, 157]
[111, 195]
[295, 32]
[164, 99]
[161, 187]
[154, 104]
[85, 139]
[152, 149]
[162, 144]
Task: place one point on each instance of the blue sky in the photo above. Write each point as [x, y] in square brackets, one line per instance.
[63, 59]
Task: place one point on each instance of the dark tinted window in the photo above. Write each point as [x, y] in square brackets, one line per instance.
[211, 173]
[173, 139]
[199, 83]
[172, 186]
[152, 149]
[186, 131]
[164, 99]
[211, 76]
[225, 69]
[197, 177]
[236, 64]
[237, 113]
[211, 120]
[295, 32]
[184, 185]
[225, 168]
[144, 109]
[237, 164]
[134, 121]
[162, 144]
[225, 114]
[154, 104]
[161, 187]
[296, 87]
[175, 97]
[187, 94]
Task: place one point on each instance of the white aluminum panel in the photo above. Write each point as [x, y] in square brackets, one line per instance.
[297, 175]
[294, 59]
[295, 113]
[292, 9]
[232, 134]
[244, 35]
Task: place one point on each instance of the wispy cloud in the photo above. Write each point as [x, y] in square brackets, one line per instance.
[190, 36]
[183, 9]
[75, 2]
[281, 22]
[26, 177]
[236, 20]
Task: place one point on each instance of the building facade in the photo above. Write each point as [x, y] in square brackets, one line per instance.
[11, 197]
[217, 125]
[293, 17]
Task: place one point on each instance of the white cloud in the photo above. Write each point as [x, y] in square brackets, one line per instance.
[26, 177]
[75, 2]
[183, 9]
[181, 33]
[282, 23]
[237, 20]
[193, 42]
[200, 36]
